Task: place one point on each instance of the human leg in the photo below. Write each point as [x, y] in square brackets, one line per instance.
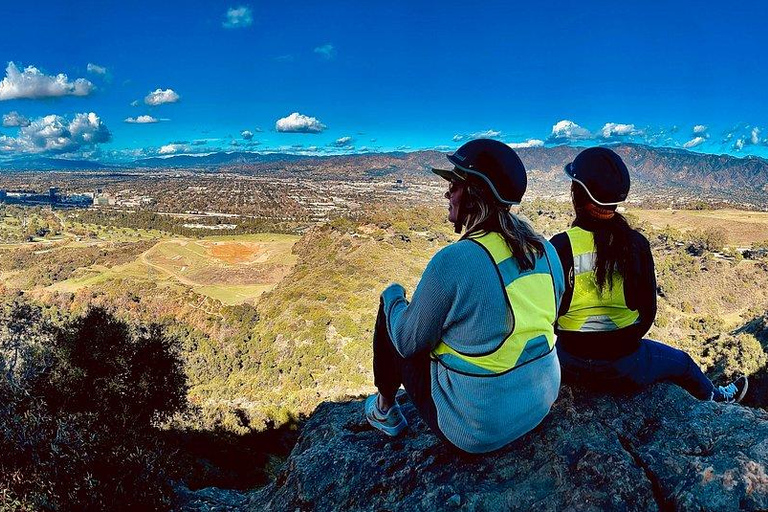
[657, 362]
[391, 370]
[386, 362]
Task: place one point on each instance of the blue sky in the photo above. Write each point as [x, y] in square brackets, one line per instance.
[148, 78]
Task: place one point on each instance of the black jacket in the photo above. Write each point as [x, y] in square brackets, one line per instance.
[639, 293]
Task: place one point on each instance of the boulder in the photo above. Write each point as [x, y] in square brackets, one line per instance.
[660, 449]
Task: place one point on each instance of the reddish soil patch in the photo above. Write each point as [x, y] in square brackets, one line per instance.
[236, 252]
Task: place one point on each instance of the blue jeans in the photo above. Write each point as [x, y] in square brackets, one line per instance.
[651, 362]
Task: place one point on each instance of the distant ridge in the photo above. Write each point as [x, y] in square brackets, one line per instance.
[662, 171]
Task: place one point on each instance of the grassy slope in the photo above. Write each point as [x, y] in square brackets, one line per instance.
[314, 338]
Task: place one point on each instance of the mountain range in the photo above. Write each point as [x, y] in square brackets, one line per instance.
[656, 172]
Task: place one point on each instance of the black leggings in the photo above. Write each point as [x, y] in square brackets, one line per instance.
[390, 370]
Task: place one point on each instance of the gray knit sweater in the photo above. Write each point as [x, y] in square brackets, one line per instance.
[461, 301]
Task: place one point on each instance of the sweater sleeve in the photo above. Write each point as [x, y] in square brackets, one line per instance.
[418, 326]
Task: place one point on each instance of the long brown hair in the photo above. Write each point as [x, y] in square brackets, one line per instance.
[612, 233]
[481, 212]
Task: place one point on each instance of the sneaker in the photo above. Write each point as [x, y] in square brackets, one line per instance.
[391, 423]
[733, 392]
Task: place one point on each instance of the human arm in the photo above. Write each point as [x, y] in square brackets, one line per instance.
[565, 254]
[418, 326]
[640, 284]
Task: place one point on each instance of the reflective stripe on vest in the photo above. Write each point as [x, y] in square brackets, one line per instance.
[530, 298]
[591, 311]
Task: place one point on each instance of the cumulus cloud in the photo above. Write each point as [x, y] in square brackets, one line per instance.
[754, 136]
[343, 142]
[96, 69]
[458, 137]
[739, 144]
[246, 134]
[238, 17]
[142, 120]
[14, 119]
[172, 149]
[530, 143]
[611, 130]
[699, 129]
[31, 83]
[696, 141]
[566, 131]
[56, 134]
[299, 123]
[326, 51]
[159, 96]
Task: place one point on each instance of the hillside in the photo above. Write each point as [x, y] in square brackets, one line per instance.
[313, 338]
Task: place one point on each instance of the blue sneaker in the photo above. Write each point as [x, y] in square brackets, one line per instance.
[391, 423]
[733, 392]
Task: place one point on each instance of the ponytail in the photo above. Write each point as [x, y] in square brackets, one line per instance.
[614, 243]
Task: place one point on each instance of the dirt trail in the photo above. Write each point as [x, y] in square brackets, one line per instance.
[181, 279]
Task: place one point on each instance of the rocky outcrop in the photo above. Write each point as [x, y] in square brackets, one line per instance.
[657, 450]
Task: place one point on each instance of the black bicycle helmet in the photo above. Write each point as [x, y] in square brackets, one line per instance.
[602, 174]
[495, 163]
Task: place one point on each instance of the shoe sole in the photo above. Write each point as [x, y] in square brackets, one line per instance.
[743, 391]
[390, 431]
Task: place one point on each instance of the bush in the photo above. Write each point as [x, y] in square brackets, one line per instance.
[79, 407]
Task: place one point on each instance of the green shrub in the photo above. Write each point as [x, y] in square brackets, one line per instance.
[79, 405]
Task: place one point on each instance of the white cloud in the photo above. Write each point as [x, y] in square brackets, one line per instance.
[565, 130]
[142, 120]
[135, 103]
[343, 142]
[611, 130]
[159, 96]
[299, 123]
[246, 134]
[238, 17]
[55, 134]
[699, 129]
[326, 51]
[739, 144]
[173, 148]
[696, 141]
[33, 84]
[487, 134]
[14, 119]
[530, 143]
[754, 137]
[96, 69]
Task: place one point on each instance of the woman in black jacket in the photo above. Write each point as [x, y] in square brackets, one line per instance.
[610, 299]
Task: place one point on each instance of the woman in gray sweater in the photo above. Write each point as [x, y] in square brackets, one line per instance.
[474, 346]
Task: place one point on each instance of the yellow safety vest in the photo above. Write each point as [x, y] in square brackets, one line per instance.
[591, 311]
[531, 298]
